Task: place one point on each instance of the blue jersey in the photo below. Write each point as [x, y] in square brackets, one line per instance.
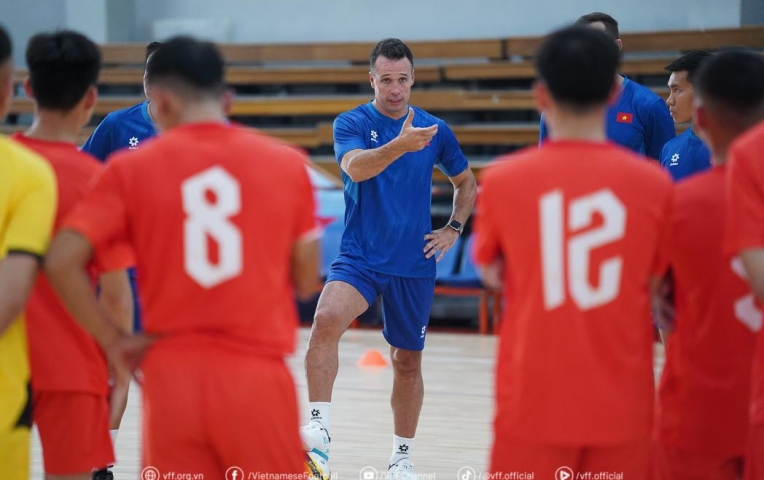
[639, 121]
[387, 216]
[125, 128]
[685, 155]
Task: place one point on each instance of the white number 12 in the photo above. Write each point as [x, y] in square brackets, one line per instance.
[580, 214]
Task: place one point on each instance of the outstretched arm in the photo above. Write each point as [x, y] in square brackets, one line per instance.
[362, 165]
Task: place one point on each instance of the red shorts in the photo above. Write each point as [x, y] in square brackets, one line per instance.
[629, 461]
[74, 431]
[206, 410]
[754, 457]
[675, 462]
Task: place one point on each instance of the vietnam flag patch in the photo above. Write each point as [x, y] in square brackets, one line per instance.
[624, 117]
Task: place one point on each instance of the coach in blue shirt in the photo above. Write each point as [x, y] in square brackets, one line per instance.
[387, 150]
[685, 154]
[639, 120]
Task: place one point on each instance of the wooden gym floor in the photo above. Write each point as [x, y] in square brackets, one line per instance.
[454, 428]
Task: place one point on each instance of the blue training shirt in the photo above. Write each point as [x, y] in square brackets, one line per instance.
[387, 216]
[125, 128]
[639, 121]
[685, 155]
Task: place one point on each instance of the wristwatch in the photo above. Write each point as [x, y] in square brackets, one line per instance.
[456, 226]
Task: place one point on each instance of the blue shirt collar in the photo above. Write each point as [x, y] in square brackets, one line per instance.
[145, 112]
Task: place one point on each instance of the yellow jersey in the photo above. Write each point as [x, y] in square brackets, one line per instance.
[28, 198]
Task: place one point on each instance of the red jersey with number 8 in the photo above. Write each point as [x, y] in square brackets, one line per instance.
[580, 228]
[212, 212]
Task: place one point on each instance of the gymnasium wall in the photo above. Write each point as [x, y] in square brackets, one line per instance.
[354, 20]
[348, 20]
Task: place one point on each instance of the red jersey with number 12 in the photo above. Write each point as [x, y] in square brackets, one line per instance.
[213, 212]
[580, 228]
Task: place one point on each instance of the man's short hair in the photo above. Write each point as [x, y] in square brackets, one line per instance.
[733, 81]
[611, 25]
[391, 48]
[188, 66]
[6, 47]
[62, 67]
[689, 62]
[578, 65]
[151, 48]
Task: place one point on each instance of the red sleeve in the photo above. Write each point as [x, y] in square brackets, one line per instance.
[306, 227]
[745, 203]
[117, 255]
[101, 216]
[486, 247]
[665, 230]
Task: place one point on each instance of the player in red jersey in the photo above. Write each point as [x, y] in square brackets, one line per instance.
[69, 371]
[577, 232]
[221, 220]
[702, 414]
[745, 199]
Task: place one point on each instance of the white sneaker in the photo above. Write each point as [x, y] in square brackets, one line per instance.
[403, 469]
[315, 442]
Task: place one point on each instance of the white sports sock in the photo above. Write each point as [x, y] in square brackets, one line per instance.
[401, 448]
[321, 413]
[113, 434]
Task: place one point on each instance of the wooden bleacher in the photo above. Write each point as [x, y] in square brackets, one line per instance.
[353, 52]
[263, 64]
[657, 42]
[315, 105]
[448, 74]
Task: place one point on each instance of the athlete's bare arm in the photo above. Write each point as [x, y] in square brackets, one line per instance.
[305, 267]
[753, 261]
[65, 265]
[18, 272]
[465, 191]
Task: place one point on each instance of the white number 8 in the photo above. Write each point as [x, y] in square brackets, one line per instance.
[208, 218]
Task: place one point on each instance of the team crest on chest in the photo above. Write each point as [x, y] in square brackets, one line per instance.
[374, 136]
[133, 142]
[674, 160]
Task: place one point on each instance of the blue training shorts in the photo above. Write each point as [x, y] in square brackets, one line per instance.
[406, 302]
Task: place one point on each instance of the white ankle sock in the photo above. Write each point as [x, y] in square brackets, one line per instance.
[321, 413]
[401, 448]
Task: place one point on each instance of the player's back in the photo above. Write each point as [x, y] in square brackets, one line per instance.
[213, 212]
[57, 345]
[746, 231]
[706, 384]
[582, 228]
